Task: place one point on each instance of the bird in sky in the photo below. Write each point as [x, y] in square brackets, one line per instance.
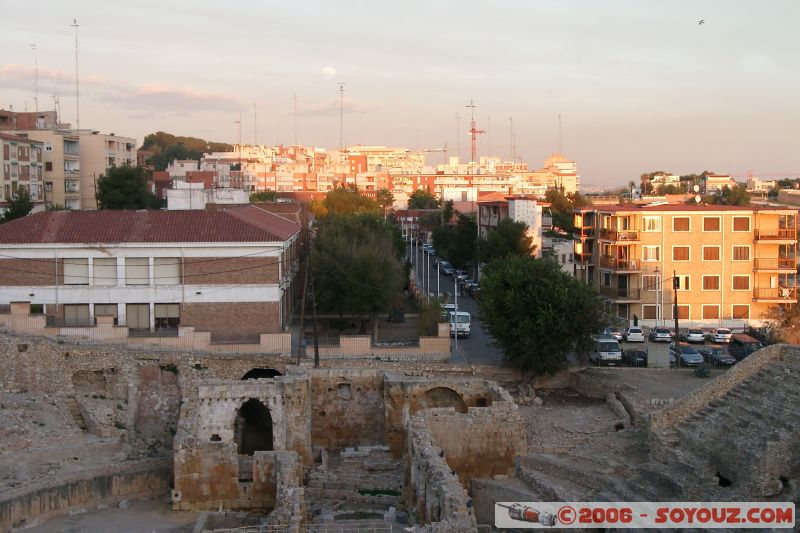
[702, 21]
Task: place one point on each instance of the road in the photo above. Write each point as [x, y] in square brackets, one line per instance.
[478, 348]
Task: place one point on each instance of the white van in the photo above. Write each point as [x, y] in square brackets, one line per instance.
[605, 351]
[460, 323]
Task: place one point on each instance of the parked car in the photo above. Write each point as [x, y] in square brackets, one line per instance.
[660, 335]
[613, 332]
[447, 309]
[742, 345]
[446, 268]
[694, 335]
[687, 356]
[605, 351]
[470, 285]
[633, 334]
[715, 355]
[635, 357]
[719, 335]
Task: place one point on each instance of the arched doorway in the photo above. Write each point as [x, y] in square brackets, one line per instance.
[262, 373]
[253, 427]
[444, 397]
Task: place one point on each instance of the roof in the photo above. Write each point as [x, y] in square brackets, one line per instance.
[682, 208]
[9, 137]
[239, 224]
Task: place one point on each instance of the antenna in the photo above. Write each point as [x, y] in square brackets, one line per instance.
[36, 56]
[56, 105]
[473, 130]
[294, 96]
[77, 87]
[341, 116]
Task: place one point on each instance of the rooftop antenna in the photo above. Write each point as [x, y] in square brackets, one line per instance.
[294, 96]
[473, 130]
[341, 116]
[77, 87]
[36, 83]
[56, 105]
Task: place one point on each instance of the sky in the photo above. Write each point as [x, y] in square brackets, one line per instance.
[639, 85]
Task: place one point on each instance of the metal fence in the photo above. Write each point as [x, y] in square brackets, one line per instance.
[327, 527]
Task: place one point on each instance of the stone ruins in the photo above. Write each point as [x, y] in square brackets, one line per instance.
[234, 440]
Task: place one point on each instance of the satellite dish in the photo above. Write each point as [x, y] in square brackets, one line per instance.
[697, 198]
[696, 188]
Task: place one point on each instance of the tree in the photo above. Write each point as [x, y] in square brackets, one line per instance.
[264, 196]
[509, 238]
[447, 212]
[421, 199]
[385, 200]
[458, 243]
[537, 313]
[125, 188]
[167, 147]
[647, 177]
[782, 324]
[562, 207]
[356, 261]
[19, 206]
[348, 201]
[736, 195]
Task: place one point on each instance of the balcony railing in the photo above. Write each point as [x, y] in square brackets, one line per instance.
[787, 294]
[620, 264]
[620, 293]
[619, 235]
[788, 234]
[776, 263]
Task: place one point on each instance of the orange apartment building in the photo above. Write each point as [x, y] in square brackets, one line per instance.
[732, 263]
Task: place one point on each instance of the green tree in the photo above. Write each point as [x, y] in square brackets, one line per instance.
[19, 206]
[357, 265]
[447, 212]
[348, 201]
[167, 147]
[669, 189]
[537, 313]
[457, 243]
[509, 238]
[385, 200]
[562, 207]
[736, 195]
[125, 188]
[421, 199]
[646, 178]
[263, 196]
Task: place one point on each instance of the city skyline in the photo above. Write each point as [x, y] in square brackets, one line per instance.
[640, 88]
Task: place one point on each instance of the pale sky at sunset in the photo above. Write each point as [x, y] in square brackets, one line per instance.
[641, 86]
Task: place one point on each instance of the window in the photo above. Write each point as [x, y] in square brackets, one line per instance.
[76, 315]
[741, 283]
[106, 310]
[167, 270]
[651, 253]
[741, 253]
[711, 312]
[651, 223]
[710, 253]
[650, 312]
[680, 253]
[741, 223]
[168, 316]
[105, 271]
[680, 224]
[76, 271]
[711, 223]
[606, 279]
[683, 283]
[650, 282]
[137, 316]
[37, 309]
[740, 311]
[683, 312]
[137, 271]
[48, 166]
[710, 283]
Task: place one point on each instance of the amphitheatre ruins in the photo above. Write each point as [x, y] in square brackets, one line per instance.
[252, 441]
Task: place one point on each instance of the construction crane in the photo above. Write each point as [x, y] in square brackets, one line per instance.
[473, 131]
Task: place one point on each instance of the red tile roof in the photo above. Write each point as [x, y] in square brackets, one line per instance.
[684, 207]
[234, 224]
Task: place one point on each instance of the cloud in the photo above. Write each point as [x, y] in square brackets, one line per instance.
[156, 97]
[328, 73]
[331, 108]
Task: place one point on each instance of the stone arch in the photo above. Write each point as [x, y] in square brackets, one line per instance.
[252, 428]
[262, 373]
[444, 397]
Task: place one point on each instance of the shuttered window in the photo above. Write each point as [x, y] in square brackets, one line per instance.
[137, 316]
[76, 315]
[680, 253]
[137, 271]
[710, 283]
[741, 311]
[168, 316]
[710, 253]
[710, 312]
[167, 270]
[741, 223]
[76, 271]
[105, 271]
[741, 283]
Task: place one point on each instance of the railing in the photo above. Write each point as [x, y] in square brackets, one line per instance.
[620, 293]
[777, 293]
[788, 234]
[619, 235]
[328, 527]
[620, 264]
[776, 263]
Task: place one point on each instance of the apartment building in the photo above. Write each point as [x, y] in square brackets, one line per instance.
[61, 166]
[517, 208]
[732, 264]
[21, 167]
[227, 271]
[98, 153]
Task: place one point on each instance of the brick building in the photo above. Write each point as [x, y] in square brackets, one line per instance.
[229, 271]
[21, 167]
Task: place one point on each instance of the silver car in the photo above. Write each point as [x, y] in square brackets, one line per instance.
[719, 335]
[694, 335]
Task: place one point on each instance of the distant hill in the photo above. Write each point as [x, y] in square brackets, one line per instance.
[167, 147]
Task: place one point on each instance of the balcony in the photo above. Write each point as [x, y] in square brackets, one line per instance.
[788, 234]
[776, 263]
[619, 235]
[620, 265]
[621, 294]
[777, 295]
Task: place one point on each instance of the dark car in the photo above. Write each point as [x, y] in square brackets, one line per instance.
[634, 357]
[688, 355]
[742, 345]
[715, 355]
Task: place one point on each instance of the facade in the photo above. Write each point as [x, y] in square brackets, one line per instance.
[62, 166]
[715, 183]
[188, 195]
[227, 271]
[518, 209]
[732, 263]
[760, 186]
[22, 167]
[98, 153]
[562, 252]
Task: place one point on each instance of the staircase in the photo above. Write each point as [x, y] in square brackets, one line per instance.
[75, 412]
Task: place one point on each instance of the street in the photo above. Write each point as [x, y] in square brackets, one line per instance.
[478, 348]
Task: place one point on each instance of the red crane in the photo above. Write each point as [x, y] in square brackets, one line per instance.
[473, 131]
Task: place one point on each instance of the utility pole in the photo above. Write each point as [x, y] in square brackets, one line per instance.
[36, 80]
[294, 96]
[341, 117]
[454, 322]
[314, 314]
[302, 347]
[675, 285]
[77, 87]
